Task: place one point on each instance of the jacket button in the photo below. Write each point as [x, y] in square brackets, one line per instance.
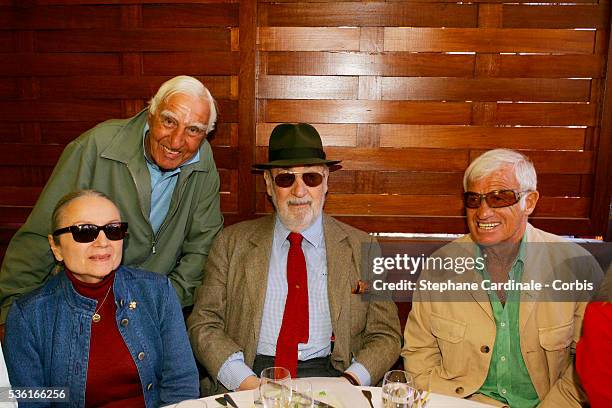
[459, 390]
[149, 386]
[141, 355]
[124, 322]
[484, 349]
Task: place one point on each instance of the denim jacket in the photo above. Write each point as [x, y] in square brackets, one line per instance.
[48, 334]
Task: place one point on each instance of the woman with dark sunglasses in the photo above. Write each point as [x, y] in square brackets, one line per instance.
[104, 334]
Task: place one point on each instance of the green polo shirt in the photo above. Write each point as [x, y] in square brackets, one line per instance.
[508, 380]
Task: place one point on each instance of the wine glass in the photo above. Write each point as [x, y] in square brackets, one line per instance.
[272, 382]
[398, 390]
[274, 395]
[301, 394]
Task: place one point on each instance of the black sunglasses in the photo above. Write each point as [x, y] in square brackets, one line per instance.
[494, 199]
[115, 231]
[310, 178]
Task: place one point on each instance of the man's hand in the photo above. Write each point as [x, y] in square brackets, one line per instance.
[249, 383]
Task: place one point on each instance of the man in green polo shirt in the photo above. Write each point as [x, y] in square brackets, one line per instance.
[504, 342]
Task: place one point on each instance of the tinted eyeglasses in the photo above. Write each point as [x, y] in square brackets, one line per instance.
[494, 199]
[310, 178]
[115, 231]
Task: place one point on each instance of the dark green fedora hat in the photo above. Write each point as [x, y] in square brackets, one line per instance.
[295, 144]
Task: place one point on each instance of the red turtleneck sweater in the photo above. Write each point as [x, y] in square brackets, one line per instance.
[112, 376]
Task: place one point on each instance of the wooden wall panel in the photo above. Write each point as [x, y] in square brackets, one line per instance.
[136, 40]
[199, 63]
[557, 16]
[354, 63]
[408, 93]
[308, 39]
[58, 64]
[492, 40]
[367, 111]
[486, 89]
[366, 14]
[190, 15]
[61, 17]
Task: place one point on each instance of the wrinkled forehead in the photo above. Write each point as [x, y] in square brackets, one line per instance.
[184, 108]
[500, 178]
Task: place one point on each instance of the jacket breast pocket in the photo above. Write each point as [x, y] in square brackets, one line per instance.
[556, 342]
[450, 335]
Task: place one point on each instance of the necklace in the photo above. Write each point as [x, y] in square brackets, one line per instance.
[96, 317]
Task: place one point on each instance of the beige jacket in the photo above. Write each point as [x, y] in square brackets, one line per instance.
[228, 306]
[448, 344]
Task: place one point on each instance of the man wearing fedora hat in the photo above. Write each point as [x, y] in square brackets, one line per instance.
[278, 290]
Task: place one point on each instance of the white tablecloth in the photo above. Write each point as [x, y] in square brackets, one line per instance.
[345, 393]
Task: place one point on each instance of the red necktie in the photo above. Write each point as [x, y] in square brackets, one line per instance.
[294, 329]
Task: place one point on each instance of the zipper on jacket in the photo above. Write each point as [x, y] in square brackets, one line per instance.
[153, 249]
[170, 215]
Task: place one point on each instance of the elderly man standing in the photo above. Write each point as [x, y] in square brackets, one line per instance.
[277, 290]
[158, 168]
[502, 347]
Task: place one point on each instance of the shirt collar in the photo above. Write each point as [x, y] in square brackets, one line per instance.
[194, 159]
[520, 258]
[313, 234]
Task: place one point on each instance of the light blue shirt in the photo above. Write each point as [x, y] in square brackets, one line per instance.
[162, 186]
[234, 370]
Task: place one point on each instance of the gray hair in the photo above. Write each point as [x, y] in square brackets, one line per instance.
[58, 211]
[189, 86]
[496, 159]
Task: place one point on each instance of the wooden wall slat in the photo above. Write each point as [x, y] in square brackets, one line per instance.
[307, 87]
[481, 137]
[37, 111]
[9, 88]
[393, 159]
[9, 132]
[61, 17]
[331, 134]
[7, 41]
[26, 154]
[63, 132]
[308, 39]
[555, 16]
[197, 63]
[354, 63]
[546, 114]
[190, 15]
[41, 65]
[363, 111]
[24, 176]
[555, 162]
[334, 14]
[486, 89]
[549, 66]
[488, 40]
[434, 64]
[179, 39]
[104, 87]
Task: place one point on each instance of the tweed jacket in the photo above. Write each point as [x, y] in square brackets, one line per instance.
[448, 344]
[228, 306]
